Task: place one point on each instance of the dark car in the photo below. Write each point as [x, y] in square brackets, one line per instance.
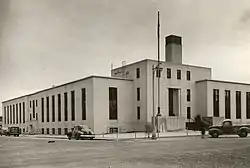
[227, 128]
[3, 131]
[13, 130]
[80, 132]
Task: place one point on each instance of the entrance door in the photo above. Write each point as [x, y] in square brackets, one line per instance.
[31, 129]
[173, 104]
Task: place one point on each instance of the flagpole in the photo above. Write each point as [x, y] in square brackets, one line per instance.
[159, 72]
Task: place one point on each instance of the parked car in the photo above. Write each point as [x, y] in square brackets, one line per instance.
[3, 131]
[12, 130]
[80, 132]
[227, 128]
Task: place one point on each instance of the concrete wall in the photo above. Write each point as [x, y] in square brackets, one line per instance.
[127, 117]
[197, 73]
[97, 106]
[202, 96]
[222, 86]
[38, 124]
[145, 83]
[141, 83]
[24, 123]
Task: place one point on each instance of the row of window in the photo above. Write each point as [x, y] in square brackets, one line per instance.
[169, 74]
[13, 114]
[113, 110]
[59, 109]
[139, 94]
[59, 131]
[216, 112]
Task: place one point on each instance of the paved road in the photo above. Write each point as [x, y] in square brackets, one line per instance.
[188, 152]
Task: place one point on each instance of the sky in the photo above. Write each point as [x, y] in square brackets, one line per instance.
[45, 43]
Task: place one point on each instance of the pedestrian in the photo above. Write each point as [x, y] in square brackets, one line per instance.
[203, 131]
[200, 125]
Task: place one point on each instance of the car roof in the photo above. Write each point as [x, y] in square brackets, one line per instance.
[226, 120]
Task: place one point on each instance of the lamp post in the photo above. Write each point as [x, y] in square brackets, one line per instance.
[153, 96]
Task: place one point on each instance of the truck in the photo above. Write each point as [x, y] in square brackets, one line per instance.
[228, 128]
[81, 132]
[12, 130]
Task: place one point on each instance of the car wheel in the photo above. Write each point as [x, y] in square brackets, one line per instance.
[77, 136]
[69, 138]
[243, 133]
[215, 134]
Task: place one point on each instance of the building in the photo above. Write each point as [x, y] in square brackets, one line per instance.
[1, 121]
[124, 101]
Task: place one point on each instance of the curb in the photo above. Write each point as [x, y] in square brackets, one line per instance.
[124, 139]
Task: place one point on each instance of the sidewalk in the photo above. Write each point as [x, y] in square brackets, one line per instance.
[127, 136]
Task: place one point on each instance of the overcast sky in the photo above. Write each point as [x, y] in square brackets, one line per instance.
[50, 42]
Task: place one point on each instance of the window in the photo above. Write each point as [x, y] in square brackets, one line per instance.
[137, 72]
[188, 75]
[178, 74]
[73, 105]
[53, 130]
[83, 104]
[14, 114]
[65, 131]
[112, 103]
[113, 130]
[59, 131]
[188, 95]
[248, 105]
[138, 113]
[36, 116]
[4, 115]
[23, 112]
[47, 105]
[238, 105]
[47, 130]
[65, 107]
[42, 130]
[10, 114]
[42, 105]
[59, 107]
[36, 103]
[216, 102]
[17, 113]
[23, 130]
[20, 113]
[138, 94]
[34, 109]
[188, 112]
[30, 117]
[53, 108]
[168, 73]
[171, 102]
[227, 105]
[30, 104]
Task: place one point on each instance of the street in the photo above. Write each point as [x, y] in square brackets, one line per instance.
[186, 152]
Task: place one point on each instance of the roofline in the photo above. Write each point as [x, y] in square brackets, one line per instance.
[131, 64]
[220, 81]
[144, 60]
[89, 77]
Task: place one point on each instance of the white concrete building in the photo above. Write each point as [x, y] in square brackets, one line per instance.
[124, 101]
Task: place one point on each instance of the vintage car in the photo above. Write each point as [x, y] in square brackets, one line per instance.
[80, 132]
[227, 128]
[12, 130]
[3, 131]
